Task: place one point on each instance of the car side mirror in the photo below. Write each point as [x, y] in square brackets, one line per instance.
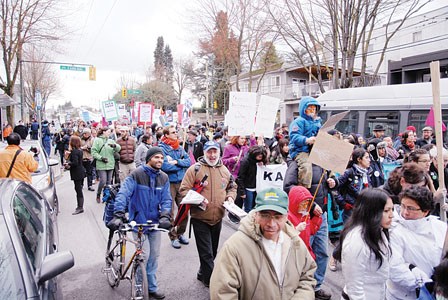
[53, 162]
[55, 264]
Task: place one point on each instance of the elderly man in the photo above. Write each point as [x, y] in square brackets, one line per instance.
[265, 258]
[207, 223]
[426, 138]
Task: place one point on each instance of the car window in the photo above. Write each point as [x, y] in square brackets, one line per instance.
[28, 214]
[11, 283]
[42, 160]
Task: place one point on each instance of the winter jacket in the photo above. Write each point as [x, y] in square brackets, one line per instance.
[46, 134]
[145, 194]
[244, 271]
[230, 151]
[303, 127]
[350, 185]
[101, 148]
[86, 147]
[128, 147]
[140, 154]
[175, 172]
[220, 185]
[24, 165]
[247, 174]
[363, 279]
[77, 171]
[197, 149]
[418, 242]
[376, 173]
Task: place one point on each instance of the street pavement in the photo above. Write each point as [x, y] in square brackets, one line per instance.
[86, 236]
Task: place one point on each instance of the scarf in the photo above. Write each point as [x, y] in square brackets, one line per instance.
[365, 181]
[170, 142]
[411, 145]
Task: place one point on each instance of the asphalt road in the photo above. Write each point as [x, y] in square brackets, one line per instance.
[86, 235]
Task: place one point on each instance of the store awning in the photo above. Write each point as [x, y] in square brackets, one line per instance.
[5, 100]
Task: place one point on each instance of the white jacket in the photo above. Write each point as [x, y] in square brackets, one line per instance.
[418, 242]
[363, 279]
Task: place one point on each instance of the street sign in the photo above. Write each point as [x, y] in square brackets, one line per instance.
[72, 68]
[134, 92]
[38, 99]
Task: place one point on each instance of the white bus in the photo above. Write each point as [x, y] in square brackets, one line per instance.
[393, 106]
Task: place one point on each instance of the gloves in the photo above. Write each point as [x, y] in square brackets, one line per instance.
[104, 160]
[348, 206]
[420, 276]
[112, 145]
[164, 221]
[116, 221]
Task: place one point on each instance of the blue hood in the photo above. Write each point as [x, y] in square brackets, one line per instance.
[304, 103]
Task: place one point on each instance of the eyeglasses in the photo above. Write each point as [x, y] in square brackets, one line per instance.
[409, 208]
[267, 217]
[173, 132]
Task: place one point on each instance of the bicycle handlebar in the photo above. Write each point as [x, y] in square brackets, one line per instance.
[149, 225]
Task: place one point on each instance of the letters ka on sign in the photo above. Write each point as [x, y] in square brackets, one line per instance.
[270, 176]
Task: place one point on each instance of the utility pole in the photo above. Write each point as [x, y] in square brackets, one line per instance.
[206, 92]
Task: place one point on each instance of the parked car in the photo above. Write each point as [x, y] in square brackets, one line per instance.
[43, 178]
[29, 257]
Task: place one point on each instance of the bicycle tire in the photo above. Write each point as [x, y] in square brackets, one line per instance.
[113, 259]
[139, 291]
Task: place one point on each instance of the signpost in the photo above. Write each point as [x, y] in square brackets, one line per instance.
[72, 68]
[134, 92]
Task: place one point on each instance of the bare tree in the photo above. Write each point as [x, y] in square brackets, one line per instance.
[183, 76]
[24, 22]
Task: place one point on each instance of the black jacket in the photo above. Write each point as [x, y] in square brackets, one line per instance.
[197, 149]
[77, 171]
[247, 174]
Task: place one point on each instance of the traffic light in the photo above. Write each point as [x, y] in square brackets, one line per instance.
[215, 104]
[124, 93]
[92, 73]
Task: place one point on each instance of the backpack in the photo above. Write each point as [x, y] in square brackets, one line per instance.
[109, 194]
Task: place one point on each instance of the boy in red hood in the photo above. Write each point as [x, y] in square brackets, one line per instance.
[299, 203]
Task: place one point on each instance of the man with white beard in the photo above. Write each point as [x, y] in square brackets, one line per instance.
[218, 187]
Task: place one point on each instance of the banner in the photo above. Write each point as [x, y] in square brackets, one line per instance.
[184, 113]
[169, 115]
[270, 176]
[241, 114]
[266, 115]
[110, 111]
[145, 112]
[180, 109]
[389, 167]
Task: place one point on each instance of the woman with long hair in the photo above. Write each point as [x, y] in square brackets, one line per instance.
[234, 153]
[77, 171]
[364, 250]
[407, 143]
[280, 153]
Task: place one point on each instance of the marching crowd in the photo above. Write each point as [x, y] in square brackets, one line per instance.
[393, 245]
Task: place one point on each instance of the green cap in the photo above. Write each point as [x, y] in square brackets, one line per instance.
[272, 199]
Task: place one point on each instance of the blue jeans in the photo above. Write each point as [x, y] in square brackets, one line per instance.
[151, 253]
[249, 201]
[319, 244]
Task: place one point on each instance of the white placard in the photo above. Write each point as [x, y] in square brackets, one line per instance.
[110, 110]
[156, 115]
[145, 112]
[266, 115]
[241, 114]
[270, 176]
[122, 110]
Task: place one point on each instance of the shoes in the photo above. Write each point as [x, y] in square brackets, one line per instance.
[157, 295]
[91, 189]
[98, 199]
[201, 279]
[175, 243]
[322, 295]
[78, 211]
[183, 240]
[333, 264]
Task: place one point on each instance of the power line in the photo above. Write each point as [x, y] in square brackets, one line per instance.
[84, 27]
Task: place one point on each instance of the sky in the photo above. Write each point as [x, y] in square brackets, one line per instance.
[118, 37]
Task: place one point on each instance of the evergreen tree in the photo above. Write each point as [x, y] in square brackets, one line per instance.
[168, 64]
[159, 65]
[269, 56]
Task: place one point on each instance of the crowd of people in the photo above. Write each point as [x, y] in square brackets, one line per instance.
[392, 245]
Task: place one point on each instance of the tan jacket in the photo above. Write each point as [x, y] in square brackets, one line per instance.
[220, 185]
[244, 271]
[24, 165]
[86, 147]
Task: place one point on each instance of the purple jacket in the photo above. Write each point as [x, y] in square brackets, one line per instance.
[230, 151]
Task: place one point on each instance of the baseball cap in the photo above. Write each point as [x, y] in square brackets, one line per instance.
[272, 199]
[211, 145]
[427, 128]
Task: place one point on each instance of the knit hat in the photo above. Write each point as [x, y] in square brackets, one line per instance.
[153, 151]
[272, 199]
[412, 128]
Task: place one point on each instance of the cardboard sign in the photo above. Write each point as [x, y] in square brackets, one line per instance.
[110, 111]
[145, 112]
[241, 114]
[266, 115]
[333, 120]
[270, 176]
[330, 153]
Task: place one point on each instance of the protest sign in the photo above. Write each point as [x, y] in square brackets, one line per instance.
[169, 115]
[266, 115]
[333, 120]
[145, 112]
[389, 167]
[110, 112]
[270, 176]
[241, 114]
[156, 113]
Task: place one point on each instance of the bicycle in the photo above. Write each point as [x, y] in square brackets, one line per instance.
[116, 267]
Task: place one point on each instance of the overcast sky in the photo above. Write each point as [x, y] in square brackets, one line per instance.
[119, 38]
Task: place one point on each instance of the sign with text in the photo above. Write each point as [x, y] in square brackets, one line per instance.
[266, 115]
[72, 68]
[241, 114]
[122, 110]
[156, 113]
[145, 112]
[270, 176]
[110, 111]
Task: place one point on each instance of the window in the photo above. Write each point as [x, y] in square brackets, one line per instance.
[275, 84]
[349, 124]
[389, 119]
[417, 36]
[28, 213]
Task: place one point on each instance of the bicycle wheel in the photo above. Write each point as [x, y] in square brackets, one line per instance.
[113, 259]
[139, 281]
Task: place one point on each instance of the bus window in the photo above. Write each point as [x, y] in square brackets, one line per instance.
[389, 119]
[349, 124]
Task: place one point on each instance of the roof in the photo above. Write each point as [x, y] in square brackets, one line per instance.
[6, 100]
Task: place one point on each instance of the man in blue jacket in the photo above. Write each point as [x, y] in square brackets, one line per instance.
[175, 164]
[146, 196]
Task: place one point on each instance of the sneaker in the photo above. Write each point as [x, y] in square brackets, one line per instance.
[78, 211]
[183, 240]
[333, 264]
[91, 189]
[157, 295]
[175, 243]
[322, 295]
[98, 199]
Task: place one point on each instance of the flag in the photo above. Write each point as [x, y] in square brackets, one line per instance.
[430, 120]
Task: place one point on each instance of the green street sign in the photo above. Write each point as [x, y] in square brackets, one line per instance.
[72, 68]
[134, 92]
